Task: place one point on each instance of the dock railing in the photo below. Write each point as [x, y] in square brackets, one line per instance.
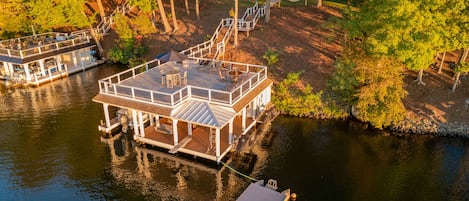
[112, 86]
[41, 44]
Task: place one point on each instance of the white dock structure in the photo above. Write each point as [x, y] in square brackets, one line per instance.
[196, 106]
[199, 116]
[34, 60]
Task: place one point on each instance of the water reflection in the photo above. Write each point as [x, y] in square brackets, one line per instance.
[329, 160]
[156, 174]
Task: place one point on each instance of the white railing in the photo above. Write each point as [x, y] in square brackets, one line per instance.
[112, 86]
[45, 45]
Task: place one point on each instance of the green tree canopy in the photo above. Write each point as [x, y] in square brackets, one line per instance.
[45, 15]
[411, 31]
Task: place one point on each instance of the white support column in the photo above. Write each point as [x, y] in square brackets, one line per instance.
[141, 125]
[74, 59]
[175, 131]
[26, 71]
[157, 121]
[134, 121]
[106, 115]
[243, 119]
[189, 128]
[230, 131]
[59, 63]
[10, 66]
[217, 143]
[41, 66]
[150, 117]
[254, 108]
[81, 60]
[7, 70]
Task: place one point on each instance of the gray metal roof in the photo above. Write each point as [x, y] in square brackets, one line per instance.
[260, 193]
[203, 113]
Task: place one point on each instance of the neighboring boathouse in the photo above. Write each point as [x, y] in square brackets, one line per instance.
[196, 106]
[34, 60]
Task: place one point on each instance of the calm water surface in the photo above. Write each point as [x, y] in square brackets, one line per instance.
[50, 149]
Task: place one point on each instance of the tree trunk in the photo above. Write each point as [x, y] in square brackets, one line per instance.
[186, 3]
[349, 2]
[319, 3]
[235, 24]
[197, 13]
[456, 82]
[173, 13]
[419, 77]
[267, 12]
[95, 38]
[153, 19]
[442, 62]
[167, 27]
[102, 14]
[464, 55]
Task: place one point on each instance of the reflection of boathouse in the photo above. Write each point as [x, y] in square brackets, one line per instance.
[34, 60]
[196, 107]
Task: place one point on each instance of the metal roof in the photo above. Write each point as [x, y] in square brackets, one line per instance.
[260, 193]
[203, 113]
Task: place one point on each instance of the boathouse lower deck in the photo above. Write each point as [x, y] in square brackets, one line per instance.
[198, 143]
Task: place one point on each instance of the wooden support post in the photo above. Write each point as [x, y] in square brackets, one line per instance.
[106, 115]
[150, 117]
[175, 131]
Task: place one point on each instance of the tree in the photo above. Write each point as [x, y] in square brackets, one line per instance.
[197, 11]
[186, 3]
[9, 25]
[173, 14]
[267, 12]
[101, 9]
[235, 24]
[462, 67]
[416, 28]
[147, 7]
[319, 3]
[167, 27]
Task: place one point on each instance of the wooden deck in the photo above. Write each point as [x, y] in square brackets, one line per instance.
[197, 75]
[200, 141]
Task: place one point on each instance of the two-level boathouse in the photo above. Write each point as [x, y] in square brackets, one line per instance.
[196, 107]
[36, 59]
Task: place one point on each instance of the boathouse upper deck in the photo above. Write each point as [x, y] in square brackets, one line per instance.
[29, 48]
[169, 84]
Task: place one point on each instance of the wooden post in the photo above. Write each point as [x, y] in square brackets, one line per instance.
[157, 121]
[7, 70]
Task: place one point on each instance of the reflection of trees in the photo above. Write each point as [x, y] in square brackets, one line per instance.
[460, 189]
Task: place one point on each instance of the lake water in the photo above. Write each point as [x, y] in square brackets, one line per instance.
[50, 149]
